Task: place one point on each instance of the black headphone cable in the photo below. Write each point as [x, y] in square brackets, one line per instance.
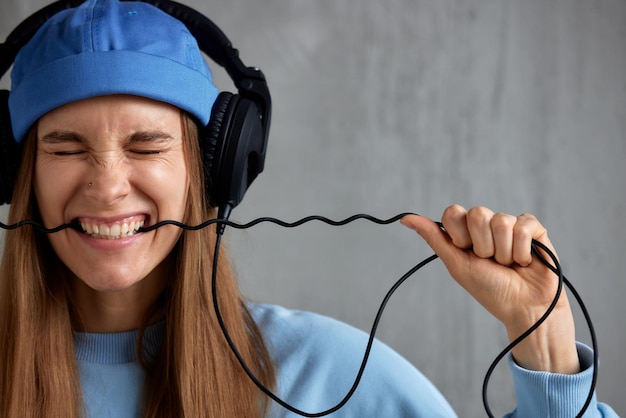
[221, 223]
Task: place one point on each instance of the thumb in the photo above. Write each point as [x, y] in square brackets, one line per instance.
[434, 236]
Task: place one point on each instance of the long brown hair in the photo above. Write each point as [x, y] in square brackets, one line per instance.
[193, 375]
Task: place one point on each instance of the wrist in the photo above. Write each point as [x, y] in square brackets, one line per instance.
[550, 348]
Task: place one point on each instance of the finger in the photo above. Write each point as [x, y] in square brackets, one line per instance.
[437, 239]
[526, 229]
[426, 228]
[479, 227]
[454, 220]
[502, 226]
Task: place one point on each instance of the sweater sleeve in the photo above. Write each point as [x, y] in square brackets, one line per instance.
[543, 394]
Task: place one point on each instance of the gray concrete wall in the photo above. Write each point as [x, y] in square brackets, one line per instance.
[385, 106]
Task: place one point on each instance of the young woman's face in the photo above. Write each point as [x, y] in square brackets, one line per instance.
[112, 164]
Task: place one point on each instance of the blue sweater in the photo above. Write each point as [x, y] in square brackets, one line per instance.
[316, 361]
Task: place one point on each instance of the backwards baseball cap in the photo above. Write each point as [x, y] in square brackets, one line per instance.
[105, 47]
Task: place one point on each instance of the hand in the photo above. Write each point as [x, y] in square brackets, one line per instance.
[489, 254]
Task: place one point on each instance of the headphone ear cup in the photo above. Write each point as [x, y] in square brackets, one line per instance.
[212, 144]
[10, 151]
[233, 148]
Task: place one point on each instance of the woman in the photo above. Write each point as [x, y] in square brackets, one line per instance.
[110, 321]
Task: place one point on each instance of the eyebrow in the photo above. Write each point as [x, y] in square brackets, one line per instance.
[58, 137]
[149, 136]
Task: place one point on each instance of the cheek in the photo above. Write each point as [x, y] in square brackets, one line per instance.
[167, 185]
[52, 188]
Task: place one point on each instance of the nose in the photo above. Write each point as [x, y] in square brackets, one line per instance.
[108, 179]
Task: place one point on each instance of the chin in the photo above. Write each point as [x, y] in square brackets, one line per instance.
[108, 282]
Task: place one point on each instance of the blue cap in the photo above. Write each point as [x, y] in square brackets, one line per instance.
[105, 47]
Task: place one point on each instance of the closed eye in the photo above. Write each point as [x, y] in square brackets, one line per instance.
[66, 153]
[146, 152]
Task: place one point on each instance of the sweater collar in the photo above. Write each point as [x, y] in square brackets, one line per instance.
[117, 347]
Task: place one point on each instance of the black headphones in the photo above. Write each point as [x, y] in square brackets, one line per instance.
[234, 141]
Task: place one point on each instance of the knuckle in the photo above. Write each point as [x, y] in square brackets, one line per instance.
[502, 222]
[454, 211]
[479, 215]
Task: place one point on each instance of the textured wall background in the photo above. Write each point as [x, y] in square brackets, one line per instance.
[385, 106]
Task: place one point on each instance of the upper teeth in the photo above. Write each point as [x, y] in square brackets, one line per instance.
[114, 231]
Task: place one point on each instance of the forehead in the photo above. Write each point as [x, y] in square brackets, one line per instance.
[114, 113]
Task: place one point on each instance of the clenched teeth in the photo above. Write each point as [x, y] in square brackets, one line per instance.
[115, 231]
